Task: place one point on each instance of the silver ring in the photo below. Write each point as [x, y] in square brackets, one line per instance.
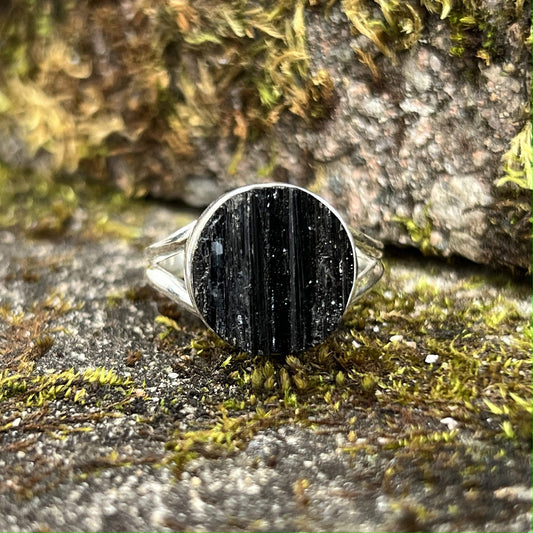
[270, 268]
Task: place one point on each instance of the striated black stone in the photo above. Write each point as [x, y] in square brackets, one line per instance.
[272, 270]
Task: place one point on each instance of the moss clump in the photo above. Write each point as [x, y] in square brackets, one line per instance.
[512, 214]
[40, 206]
[517, 161]
[393, 26]
[27, 390]
[420, 235]
[227, 435]
[263, 47]
[176, 78]
[399, 27]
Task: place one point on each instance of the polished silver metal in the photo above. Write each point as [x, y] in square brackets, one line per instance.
[169, 261]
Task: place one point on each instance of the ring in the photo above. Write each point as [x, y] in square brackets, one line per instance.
[270, 268]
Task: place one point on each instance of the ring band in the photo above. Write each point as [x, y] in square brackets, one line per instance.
[270, 268]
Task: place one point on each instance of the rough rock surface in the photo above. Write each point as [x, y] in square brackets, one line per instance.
[268, 255]
[119, 413]
[412, 156]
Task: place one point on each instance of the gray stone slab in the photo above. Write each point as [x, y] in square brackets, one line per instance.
[179, 432]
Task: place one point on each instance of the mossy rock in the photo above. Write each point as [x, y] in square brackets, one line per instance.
[412, 119]
[118, 411]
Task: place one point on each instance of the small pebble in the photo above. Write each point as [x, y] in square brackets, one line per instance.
[520, 493]
[195, 481]
[431, 358]
[450, 422]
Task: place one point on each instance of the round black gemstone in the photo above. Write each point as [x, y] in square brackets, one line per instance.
[272, 270]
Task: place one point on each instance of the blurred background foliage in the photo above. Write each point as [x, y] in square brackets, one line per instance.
[84, 81]
[129, 89]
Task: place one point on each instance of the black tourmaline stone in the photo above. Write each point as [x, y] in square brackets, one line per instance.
[272, 270]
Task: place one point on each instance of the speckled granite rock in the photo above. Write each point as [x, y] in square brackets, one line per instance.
[118, 412]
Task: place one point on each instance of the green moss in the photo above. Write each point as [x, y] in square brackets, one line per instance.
[44, 207]
[28, 390]
[28, 20]
[512, 215]
[227, 435]
[40, 206]
[261, 59]
[399, 27]
[200, 69]
[420, 235]
[480, 378]
[517, 161]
